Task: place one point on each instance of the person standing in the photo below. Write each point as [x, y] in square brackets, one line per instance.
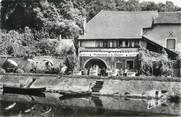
[125, 72]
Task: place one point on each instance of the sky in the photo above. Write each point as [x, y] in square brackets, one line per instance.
[176, 2]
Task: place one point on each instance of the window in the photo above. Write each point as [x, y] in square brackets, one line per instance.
[126, 43]
[123, 44]
[99, 44]
[120, 44]
[105, 44]
[130, 64]
[129, 44]
[115, 44]
[171, 44]
[133, 44]
[110, 44]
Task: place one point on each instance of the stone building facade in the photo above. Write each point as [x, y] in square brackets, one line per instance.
[112, 38]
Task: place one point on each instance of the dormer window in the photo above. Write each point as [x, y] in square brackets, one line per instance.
[171, 44]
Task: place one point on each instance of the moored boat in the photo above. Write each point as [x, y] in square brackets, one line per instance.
[22, 90]
[67, 95]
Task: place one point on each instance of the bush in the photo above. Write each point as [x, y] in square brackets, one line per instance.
[70, 62]
[46, 47]
[16, 44]
[152, 63]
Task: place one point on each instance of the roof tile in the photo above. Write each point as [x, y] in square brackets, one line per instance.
[168, 18]
[118, 24]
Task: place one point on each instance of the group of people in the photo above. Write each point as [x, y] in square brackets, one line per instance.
[94, 70]
[120, 72]
[102, 71]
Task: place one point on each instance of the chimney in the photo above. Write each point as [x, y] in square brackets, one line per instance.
[59, 37]
[84, 25]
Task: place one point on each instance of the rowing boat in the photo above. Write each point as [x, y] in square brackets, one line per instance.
[21, 90]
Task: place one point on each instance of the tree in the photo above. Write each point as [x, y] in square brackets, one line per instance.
[46, 47]
[161, 7]
[94, 6]
[18, 14]
[120, 5]
[15, 43]
[132, 5]
[50, 16]
[170, 7]
[146, 6]
[70, 62]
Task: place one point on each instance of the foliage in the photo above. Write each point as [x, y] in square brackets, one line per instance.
[15, 43]
[46, 19]
[70, 62]
[152, 63]
[65, 47]
[46, 47]
[64, 17]
[95, 6]
[53, 17]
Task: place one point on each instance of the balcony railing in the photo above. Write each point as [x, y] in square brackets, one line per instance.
[108, 50]
[97, 52]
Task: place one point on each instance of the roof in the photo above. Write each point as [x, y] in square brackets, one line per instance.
[172, 53]
[118, 24]
[168, 18]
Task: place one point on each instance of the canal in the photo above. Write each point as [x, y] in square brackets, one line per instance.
[54, 105]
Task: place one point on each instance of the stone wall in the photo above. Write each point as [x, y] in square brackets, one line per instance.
[113, 86]
[138, 87]
[119, 86]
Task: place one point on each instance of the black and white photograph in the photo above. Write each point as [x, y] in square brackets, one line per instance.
[90, 58]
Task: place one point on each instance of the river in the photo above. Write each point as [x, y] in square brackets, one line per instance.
[54, 105]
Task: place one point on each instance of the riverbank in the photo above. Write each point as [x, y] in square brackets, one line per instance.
[110, 86]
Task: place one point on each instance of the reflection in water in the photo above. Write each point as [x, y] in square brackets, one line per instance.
[30, 109]
[19, 115]
[22, 106]
[10, 106]
[154, 103]
[49, 110]
[98, 104]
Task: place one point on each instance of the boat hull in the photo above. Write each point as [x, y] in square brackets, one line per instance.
[19, 90]
[67, 95]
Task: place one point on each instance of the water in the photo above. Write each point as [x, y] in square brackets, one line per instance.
[52, 105]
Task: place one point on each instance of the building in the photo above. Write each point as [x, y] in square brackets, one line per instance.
[112, 38]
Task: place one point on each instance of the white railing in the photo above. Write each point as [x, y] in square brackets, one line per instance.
[122, 52]
[108, 49]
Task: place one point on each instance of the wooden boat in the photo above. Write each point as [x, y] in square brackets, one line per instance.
[21, 90]
[67, 95]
